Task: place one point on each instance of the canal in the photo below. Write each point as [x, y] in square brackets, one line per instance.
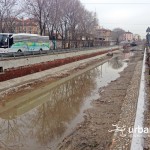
[40, 119]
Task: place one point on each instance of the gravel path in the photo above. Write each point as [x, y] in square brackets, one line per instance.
[116, 105]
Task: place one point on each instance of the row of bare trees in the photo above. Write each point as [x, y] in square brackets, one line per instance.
[65, 17]
[8, 13]
[68, 18]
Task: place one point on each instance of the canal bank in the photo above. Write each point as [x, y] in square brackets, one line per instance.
[25, 82]
[14, 68]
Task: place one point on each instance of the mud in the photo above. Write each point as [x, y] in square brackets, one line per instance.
[92, 134]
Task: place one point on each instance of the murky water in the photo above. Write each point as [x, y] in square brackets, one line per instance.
[40, 119]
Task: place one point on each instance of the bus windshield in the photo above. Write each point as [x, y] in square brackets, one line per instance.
[5, 41]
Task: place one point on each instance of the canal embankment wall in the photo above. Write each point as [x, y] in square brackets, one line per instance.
[15, 68]
[25, 70]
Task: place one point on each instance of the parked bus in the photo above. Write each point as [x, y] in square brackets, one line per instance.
[23, 42]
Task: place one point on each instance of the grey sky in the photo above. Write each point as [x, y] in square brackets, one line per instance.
[132, 15]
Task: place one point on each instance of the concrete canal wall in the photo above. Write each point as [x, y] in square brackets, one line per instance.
[6, 86]
[24, 66]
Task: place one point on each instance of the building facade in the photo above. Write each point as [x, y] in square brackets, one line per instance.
[26, 26]
[103, 34]
[127, 36]
[136, 37]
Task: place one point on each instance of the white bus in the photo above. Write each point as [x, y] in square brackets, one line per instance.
[23, 42]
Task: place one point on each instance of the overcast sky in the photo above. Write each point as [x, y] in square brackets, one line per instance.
[131, 15]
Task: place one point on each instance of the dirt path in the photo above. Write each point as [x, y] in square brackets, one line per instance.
[93, 132]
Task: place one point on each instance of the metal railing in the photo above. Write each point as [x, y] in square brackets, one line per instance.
[45, 52]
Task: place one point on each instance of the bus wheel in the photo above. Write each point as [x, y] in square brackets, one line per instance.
[19, 50]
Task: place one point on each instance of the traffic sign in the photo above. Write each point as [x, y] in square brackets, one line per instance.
[148, 29]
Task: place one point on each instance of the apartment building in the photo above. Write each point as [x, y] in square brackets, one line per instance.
[127, 36]
[103, 34]
[26, 26]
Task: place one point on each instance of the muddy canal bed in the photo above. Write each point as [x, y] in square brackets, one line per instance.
[94, 133]
[73, 113]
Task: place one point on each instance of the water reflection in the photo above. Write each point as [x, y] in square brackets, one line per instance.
[116, 62]
[48, 121]
[51, 119]
[128, 55]
[37, 121]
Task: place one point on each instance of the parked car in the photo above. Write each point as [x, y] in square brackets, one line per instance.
[133, 44]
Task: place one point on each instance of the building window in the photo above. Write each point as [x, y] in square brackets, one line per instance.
[1, 69]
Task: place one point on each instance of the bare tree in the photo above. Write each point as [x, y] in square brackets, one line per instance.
[64, 18]
[8, 13]
[73, 16]
[68, 19]
[52, 16]
[69, 22]
[36, 9]
[116, 34]
[88, 23]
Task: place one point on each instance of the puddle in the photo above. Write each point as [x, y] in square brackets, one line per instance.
[41, 119]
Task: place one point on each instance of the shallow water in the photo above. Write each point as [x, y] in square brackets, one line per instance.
[40, 119]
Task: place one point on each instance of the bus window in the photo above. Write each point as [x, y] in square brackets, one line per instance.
[11, 41]
[6, 42]
[3, 41]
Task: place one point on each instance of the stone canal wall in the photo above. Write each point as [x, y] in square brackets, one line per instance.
[24, 66]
